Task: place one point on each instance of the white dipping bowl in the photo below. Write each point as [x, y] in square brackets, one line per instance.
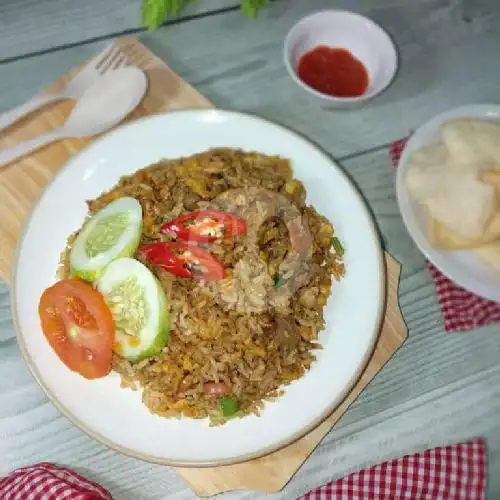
[365, 39]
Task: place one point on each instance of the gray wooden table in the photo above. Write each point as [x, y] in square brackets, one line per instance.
[440, 387]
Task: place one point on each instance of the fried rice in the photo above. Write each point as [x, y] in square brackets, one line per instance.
[216, 350]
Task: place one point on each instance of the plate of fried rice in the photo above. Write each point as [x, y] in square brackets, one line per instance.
[198, 288]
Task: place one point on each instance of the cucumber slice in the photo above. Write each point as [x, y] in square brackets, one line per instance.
[113, 232]
[138, 306]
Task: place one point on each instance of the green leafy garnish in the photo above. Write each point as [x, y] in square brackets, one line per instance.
[229, 406]
[338, 246]
[156, 12]
[251, 7]
[280, 280]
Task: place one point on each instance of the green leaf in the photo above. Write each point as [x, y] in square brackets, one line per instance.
[279, 281]
[251, 7]
[229, 406]
[338, 246]
[156, 12]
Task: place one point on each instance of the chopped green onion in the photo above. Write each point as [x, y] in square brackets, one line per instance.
[229, 406]
[338, 246]
[280, 280]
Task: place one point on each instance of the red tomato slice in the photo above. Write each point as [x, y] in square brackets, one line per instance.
[205, 226]
[79, 327]
[182, 259]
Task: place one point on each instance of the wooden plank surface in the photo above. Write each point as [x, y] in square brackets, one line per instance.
[28, 26]
[445, 63]
[438, 388]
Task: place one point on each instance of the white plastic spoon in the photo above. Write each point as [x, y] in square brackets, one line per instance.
[106, 103]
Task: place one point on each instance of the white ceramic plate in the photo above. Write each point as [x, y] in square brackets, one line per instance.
[463, 267]
[117, 417]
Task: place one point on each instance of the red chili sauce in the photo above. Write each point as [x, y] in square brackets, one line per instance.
[333, 71]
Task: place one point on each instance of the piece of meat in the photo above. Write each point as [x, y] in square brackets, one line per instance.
[152, 399]
[308, 297]
[216, 388]
[251, 288]
[287, 334]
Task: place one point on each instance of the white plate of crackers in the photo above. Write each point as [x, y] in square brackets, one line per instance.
[448, 191]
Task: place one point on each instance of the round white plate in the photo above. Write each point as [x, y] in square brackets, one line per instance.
[463, 267]
[116, 416]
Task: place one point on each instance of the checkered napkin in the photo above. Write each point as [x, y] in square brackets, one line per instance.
[46, 481]
[456, 472]
[462, 310]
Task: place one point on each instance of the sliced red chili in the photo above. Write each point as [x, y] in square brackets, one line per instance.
[182, 259]
[205, 225]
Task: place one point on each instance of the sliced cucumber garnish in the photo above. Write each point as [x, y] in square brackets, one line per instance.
[138, 306]
[113, 232]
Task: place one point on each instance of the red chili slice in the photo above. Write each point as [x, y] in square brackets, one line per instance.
[205, 226]
[182, 259]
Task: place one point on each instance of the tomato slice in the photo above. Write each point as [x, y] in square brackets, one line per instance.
[79, 327]
[204, 226]
[185, 260]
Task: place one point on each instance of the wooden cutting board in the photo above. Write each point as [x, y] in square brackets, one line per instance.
[22, 182]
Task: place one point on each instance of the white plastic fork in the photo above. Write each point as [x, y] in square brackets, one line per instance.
[110, 58]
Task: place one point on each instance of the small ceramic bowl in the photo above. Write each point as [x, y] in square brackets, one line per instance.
[365, 39]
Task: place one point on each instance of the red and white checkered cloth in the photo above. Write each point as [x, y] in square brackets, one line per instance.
[461, 309]
[456, 472]
[47, 481]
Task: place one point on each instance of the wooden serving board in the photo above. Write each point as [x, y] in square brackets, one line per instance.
[22, 182]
